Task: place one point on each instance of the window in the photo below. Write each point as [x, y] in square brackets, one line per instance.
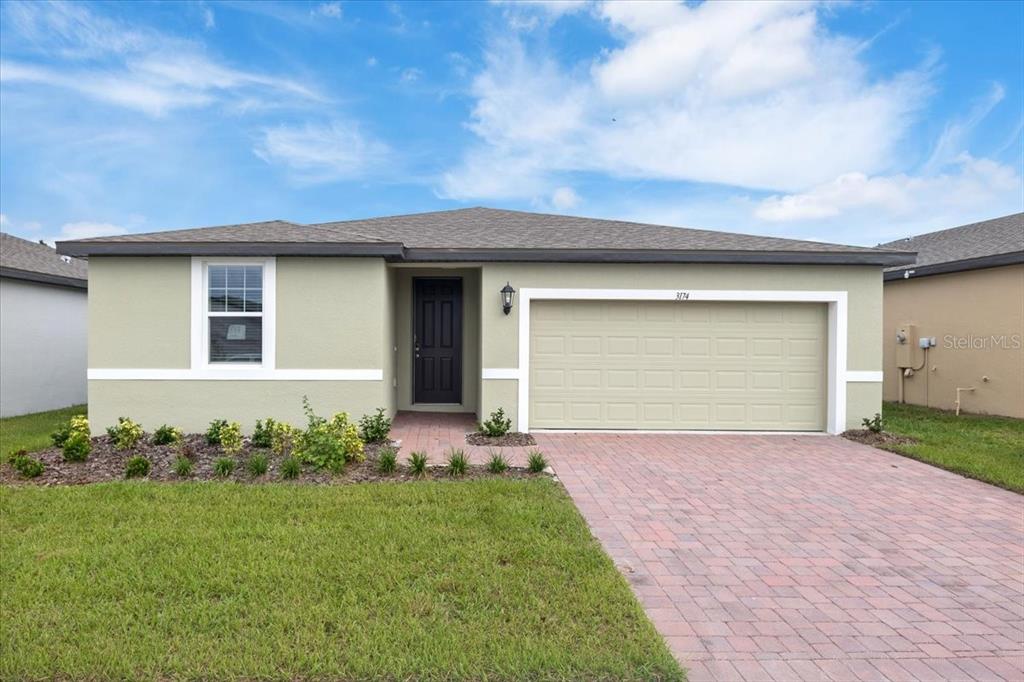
[234, 314]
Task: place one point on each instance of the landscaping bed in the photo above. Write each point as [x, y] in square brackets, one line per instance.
[513, 439]
[881, 439]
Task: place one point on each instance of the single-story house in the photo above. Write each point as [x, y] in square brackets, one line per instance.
[954, 320]
[42, 328]
[565, 322]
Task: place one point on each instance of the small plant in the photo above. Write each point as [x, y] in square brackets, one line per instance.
[258, 464]
[282, 438]
[457, 463]
[874, 424]
[136, 467]
[497, 464]
[497, 425]
[328, 444]
[231, 438]
[223, 467]
[290, 468]
[125, 433]
[77, 445]
[387, 460]
[60, 436]
[213, 433]
[375, 428]
[263, 434]
[418, 464]
[167, 435]
[535, 462]
[182, 466]
[28, 467]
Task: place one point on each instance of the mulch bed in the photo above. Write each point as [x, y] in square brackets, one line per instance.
[106, 463]
[882, 440]
[513, 439]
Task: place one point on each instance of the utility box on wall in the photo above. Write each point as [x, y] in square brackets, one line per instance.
[907, 341]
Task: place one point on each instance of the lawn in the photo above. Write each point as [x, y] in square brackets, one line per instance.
[990, 449]
[32, 431]
[496, 579]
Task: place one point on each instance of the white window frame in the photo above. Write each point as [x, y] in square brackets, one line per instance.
[200, 332]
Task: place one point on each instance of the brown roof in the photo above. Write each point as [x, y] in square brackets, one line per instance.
[486, 234]
[28, 260]
[985, 244]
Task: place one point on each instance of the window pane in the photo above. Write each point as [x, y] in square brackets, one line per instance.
[218, 300]
[218, 277]
[254, 277]
[236, 339]
[253, 301]
[236, 300]
[236, 276]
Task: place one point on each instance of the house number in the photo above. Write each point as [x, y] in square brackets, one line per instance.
[682, 295]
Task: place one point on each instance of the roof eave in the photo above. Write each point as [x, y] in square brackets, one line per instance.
[44, 278]
[81, 249]
[980, 263]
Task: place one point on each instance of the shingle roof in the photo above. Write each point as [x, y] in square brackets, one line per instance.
[988, 243]
[486, 234]
[24, 259]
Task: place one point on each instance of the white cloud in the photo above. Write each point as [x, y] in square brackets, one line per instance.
[209, 20]
[331, 10]
[564, 198]
[323, 153]
[87, 229]
[411, 75]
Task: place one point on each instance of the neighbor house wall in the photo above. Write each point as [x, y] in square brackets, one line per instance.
[863, 284]
[42, 347]
[977, 319]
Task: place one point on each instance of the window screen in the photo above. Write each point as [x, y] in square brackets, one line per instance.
[235, 313]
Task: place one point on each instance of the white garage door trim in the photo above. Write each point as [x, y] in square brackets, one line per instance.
[837, 330]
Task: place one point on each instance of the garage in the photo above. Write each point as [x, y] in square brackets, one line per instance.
[715, 365]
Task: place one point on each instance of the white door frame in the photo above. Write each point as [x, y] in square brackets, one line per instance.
[837, 331]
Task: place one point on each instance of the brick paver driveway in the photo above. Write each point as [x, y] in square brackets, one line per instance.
[809, 557]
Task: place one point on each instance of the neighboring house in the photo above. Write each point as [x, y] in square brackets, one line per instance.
[966, 292]
[613, 325]
[43, 306]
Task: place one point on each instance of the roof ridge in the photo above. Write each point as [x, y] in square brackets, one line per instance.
[953, 229]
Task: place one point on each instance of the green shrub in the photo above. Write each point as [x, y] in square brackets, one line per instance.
[536, 462]
[387, 460]
[290, 468]
[125, 433]
[457, 463]
[77, 445]
[418, 463]
[497, 425]
[263, 434]
[497, 464]
[167, 435]
[328, 444]
[258, 464]
[375, 428]
[223, 467]
[874, 424]
[213, 433]
[136, 467]
[27, 467]
[60, 436]
[282, 438]
[182, 466]
[231, 438]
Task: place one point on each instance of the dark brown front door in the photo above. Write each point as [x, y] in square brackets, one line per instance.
[437, 340]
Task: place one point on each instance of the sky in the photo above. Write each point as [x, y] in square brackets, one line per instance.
[854, 123]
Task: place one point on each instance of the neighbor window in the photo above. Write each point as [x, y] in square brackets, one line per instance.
[235, 313]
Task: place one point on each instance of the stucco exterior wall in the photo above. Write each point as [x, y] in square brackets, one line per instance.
[42, 347]
[977, 319]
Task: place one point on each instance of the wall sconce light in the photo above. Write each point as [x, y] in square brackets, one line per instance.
[507, 296]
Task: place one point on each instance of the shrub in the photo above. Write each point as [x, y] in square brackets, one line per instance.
[497, 464]
[418, 463]
[125, 433]
[136, 467]
[536, 462]
[263, 434]
[77, 445]
[223, 467]
[258, 464]
[497, 425]
[375, 428]
[290, 468]
[282, 437]
[387, 460]
[328, 443]
[60, 436]
[167, 435]
[213, 433]
[231, 438]
[28, 467]
[457, 463]
[182, 466]
[874, 424]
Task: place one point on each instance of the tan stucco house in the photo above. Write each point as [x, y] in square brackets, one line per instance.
[964, 297]
[612, 325]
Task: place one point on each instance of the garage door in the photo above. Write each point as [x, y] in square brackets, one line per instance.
[685, 365]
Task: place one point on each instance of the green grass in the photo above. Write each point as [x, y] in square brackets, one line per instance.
[496, 579]
[990, 449]
[32, 431]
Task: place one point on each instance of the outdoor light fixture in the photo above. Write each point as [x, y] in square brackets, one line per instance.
[507, 294]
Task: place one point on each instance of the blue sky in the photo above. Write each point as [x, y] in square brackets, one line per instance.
[846, 122]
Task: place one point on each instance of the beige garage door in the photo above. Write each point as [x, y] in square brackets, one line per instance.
[686, 365]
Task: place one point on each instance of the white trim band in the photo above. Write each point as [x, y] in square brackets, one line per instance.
[233, 374]
[863, 377]
[499, 373]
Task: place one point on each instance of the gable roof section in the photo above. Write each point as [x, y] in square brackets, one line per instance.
[484, 234]
[986, 244]
[35, 262]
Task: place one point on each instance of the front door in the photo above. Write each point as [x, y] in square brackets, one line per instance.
[437, 340]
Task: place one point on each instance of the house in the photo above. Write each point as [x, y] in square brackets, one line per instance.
[954, 321]
[42, 328]
[565, 322]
